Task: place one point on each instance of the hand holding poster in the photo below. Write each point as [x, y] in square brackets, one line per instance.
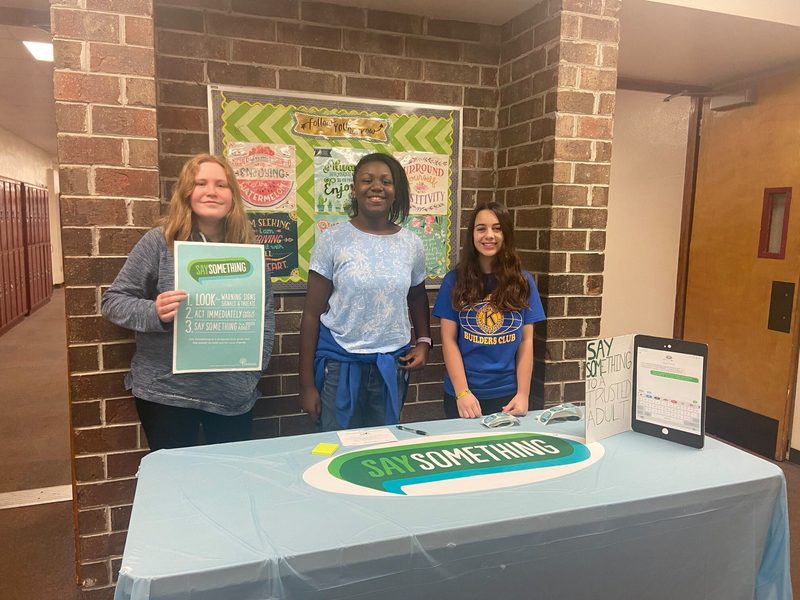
[220, 326]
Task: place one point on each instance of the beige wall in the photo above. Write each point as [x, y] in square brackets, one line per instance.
[644, 214]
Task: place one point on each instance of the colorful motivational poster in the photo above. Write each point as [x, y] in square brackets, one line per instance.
[220, 326]
[609, 385]
[333, 178]
[277, 232]
[266, 175]
[325, 222]
[428, 181]
[432, 230]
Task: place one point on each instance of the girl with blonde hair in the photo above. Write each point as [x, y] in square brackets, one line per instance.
[206, 206]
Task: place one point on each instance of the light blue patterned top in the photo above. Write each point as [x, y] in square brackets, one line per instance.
[371, 275]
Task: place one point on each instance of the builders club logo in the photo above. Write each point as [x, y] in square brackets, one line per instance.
[451, 464]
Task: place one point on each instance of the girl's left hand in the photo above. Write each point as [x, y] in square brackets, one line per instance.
[416, 358]
[518, 406]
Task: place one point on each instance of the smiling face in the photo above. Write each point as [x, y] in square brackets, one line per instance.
[211, 198]
[373, 189]
[487, 235]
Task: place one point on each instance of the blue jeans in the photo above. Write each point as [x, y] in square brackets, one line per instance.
[370, 410]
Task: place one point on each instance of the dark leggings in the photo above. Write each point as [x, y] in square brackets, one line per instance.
[173, 427]
[488, 406]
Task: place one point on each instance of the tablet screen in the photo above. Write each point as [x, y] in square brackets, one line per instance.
[669, 389]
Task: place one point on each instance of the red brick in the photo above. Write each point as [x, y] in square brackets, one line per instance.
[575, 102]
[535, 174]
[569, 195]
[83, 359]
[303, 34]
[580, 53]
[123, 121]
[595, 79]
[104, 439]
[81, 330]
[170, 17]
[145, 212]
[93, 574]
[526, 153]
[604, 30]
[435, 93]
[369, 87]
[489, 76]
[133, 7]
[592, 7]
[124, 464]
[181, 69]
[76, 241]
[274, 8]
[457, 30]
[450, 73]
[394, 21]
[121, 517]
[433, 49]
[529, 63]
[398, 68]
[237, 74]
[71, 118]
[94, 520]
[589, 218]
[595, 127]
[265, 53]
[235, 26]
[531, 17]
[126, 182]
[307, 81]
[118, 241]
[81, 301]
[479, 138]
[580, 262]
[85, 26]
[544, 81]
[81, 87]
[329, 60]
[516, 47]
[580, 150]
[120, 410]
[526, 110]
[143, 153]
[488, 118]
[88, 414]
[68, 54]
[93, 211]
[517, 91]
[609, 56]
[597, 240]
[481, 97]
[125, 60]
[481, 54]
[547, 31]
[140, 92]
[85, 150]
[139, 31]
[192, 45]
[190, 94]
[102, 546]
[586, 173]
[607, 104]
[332, 14]
[519, 134]
[365, 42]
[180, 142]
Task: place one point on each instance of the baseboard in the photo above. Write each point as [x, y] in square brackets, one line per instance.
[794, 456]
[742, 427]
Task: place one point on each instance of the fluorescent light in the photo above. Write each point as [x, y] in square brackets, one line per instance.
[40, 50]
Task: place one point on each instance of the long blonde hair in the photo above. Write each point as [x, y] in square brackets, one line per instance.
[178, 223]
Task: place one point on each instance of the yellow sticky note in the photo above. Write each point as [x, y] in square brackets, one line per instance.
[324, 449]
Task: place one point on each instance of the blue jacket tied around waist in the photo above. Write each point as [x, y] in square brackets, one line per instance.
[350, 376]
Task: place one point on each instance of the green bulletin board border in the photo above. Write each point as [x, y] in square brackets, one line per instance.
[258, 117]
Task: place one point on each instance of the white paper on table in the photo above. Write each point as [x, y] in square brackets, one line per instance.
[360, 437]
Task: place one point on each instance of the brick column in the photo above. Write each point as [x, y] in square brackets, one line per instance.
[557, 82]
[108, 157]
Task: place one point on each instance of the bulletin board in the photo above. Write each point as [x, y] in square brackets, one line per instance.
[294, 156]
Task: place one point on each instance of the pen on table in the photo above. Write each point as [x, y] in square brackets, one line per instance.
[417, 431]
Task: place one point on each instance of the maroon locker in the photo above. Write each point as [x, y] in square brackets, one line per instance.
[13, 301]
[38, 267]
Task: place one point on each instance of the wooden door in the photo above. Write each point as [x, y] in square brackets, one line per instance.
[752, 364]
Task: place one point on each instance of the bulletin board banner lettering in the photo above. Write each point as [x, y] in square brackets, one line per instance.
[294, 158]
[220, 325]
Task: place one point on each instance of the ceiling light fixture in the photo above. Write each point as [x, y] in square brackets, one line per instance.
[40, 50]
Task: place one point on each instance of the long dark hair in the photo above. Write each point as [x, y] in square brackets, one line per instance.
[399, 210]
[513, 289]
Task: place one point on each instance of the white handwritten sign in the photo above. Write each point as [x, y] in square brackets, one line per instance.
[609, 380]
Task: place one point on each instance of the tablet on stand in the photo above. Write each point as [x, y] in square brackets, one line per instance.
[669, 383]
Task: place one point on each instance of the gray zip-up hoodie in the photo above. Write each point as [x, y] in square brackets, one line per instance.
[130, 303]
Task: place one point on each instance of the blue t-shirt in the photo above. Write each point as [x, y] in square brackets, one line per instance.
[371, 275]
[487, 339]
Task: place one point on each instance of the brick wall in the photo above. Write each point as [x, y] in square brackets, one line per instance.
[108, 156]
[323, 48]
[538, 98]
[557, 79]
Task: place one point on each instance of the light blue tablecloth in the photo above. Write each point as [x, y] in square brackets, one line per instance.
[650, 520]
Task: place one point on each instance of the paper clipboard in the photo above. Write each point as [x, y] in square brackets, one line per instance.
[669, 389]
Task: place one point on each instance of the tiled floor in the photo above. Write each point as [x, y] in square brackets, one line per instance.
[37, 551]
